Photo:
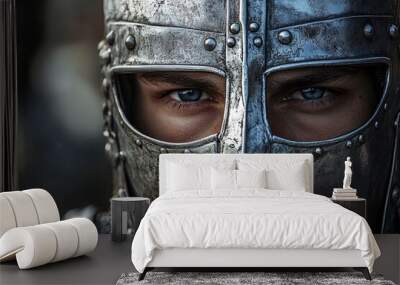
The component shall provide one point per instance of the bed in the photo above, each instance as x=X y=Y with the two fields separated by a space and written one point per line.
x=246 y=211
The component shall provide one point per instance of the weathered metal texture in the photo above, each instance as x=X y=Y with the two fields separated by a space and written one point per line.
x=157 y=42
x=232 y=133
x=201 y=15
x=344 y=41
x=246 y=41
x=165 y=46
x=331 y=39
x=285 y=13
x=256 y=122
x=391 y=217
x=320 y=37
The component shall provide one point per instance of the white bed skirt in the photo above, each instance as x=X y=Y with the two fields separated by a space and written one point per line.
x=236 y=257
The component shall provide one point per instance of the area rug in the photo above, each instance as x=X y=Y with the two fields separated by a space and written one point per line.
x=243 y=278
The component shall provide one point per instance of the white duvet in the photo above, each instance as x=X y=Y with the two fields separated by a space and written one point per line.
x=253 y=218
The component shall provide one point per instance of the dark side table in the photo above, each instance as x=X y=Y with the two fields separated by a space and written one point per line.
x=357 y=205
x=126 y=214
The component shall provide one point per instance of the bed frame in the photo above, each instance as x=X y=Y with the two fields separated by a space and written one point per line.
x=242 y=259
x=248 y=259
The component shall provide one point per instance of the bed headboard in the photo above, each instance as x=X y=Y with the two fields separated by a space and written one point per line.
x=212 y=158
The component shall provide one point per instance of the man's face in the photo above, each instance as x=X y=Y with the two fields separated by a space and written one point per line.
x=307 y=104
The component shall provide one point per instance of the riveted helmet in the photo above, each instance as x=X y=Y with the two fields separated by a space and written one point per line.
x=258 y=47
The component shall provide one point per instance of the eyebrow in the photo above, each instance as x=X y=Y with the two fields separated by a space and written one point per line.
x=309 y=77
x=179 y=79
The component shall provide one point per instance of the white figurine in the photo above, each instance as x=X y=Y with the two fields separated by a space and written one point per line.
x=347 y=174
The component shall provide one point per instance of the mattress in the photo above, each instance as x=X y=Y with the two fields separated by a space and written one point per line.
x=250 y=218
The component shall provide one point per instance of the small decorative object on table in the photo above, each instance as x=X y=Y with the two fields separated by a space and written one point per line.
x=347 y=196
x=126 y=214
x=345 y=193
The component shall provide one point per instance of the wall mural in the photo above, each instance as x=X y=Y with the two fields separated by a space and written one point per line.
x=293 y=77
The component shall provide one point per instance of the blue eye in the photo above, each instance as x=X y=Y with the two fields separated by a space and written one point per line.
x=307 y=94
x=312 y=93
x=188 y=95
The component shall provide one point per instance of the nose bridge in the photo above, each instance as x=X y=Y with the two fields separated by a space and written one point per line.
x=257 y=138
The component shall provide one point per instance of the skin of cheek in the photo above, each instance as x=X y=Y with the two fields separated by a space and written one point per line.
x=340 y=119
x=175 y=128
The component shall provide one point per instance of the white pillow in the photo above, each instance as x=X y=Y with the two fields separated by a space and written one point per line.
x=223 y=179
x=192 y=175
x=281 y=174
x=181 y=177
x=293 y=179
x=251 y=178
x=226 y=179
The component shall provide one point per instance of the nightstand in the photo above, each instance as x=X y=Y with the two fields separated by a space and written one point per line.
x=357 y=205
x=126 y=214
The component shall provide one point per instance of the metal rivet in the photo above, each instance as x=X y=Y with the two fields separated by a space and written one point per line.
x=385 y=106
x=210 y=44
x=138 y=142
x=130 y=42
x=100 y=45
x=163 y=150
x=230 y=42
x=121 y=155
x=349 y=144
x=360 y=138
x=318 y=150
x=393 y=31
x=107 y=147
x=186 y=151
x=258 y=41
x=285 y=37
x=110 y=38
x=254 y=27
x=121 y=122
x=376 y=125
x=368 y=31
x=105 y=56
x=235 y=28
x=106 y=133
x=105 y=85
x=118 y=158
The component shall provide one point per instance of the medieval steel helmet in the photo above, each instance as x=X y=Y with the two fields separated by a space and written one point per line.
x=245 y=42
